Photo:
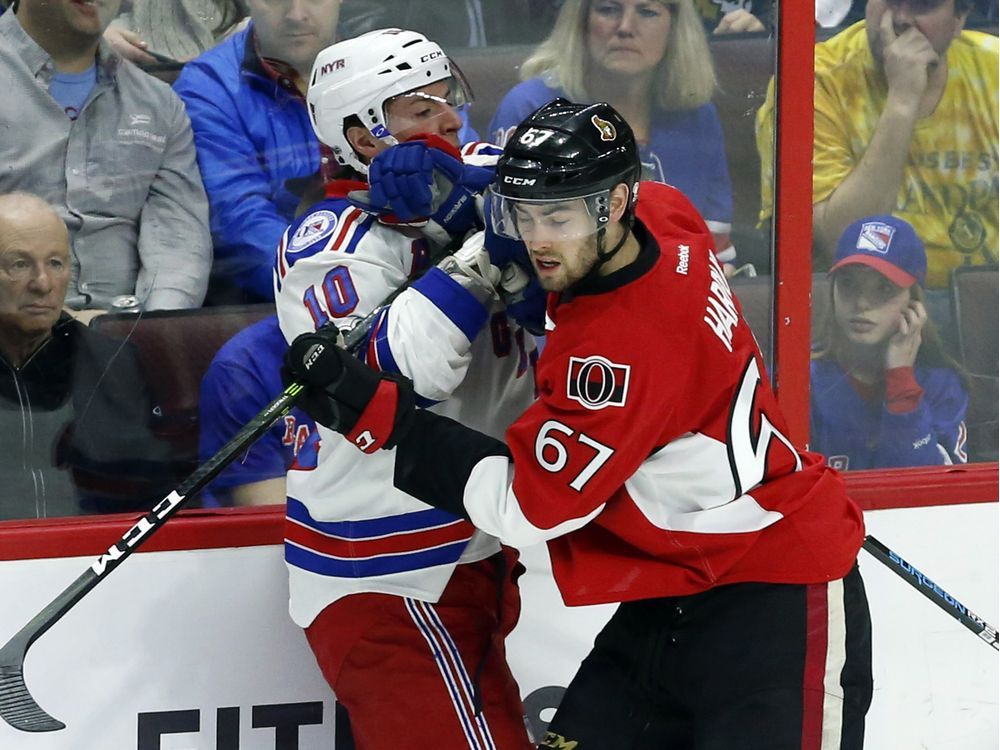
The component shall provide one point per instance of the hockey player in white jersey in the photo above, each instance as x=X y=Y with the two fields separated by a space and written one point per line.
x=405 y=607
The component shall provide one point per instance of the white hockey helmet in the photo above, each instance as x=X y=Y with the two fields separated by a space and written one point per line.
x=358 y=76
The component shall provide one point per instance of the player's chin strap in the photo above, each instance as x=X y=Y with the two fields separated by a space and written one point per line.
x=602 y=210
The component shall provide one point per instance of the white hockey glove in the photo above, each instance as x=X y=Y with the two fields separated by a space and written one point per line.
x=470 y=266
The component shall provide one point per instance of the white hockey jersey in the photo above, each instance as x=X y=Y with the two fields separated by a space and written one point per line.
x=348 y=530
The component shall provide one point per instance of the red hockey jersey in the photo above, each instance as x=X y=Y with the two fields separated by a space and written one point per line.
x=655 y=460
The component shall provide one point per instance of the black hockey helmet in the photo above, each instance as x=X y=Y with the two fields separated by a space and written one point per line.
x=565 y=151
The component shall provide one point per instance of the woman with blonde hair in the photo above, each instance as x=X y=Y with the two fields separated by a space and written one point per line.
x=884 y=391
x=650 y=60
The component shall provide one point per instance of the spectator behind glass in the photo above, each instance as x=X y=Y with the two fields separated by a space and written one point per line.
x=244 y=377
x=650 y=60
x=458 y=23
x=884 y=393
x=175 y=29
x=74 y=413
x=905 y=124
x=110 y=148
x=840 y=13
x=735 y=16
x=256 y=148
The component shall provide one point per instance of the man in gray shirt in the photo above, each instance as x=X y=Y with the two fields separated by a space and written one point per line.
x=110 y=148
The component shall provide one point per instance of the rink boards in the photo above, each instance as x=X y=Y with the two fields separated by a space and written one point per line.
x=192 y=649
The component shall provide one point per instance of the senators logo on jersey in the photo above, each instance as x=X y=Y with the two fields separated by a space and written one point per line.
x=597 y=382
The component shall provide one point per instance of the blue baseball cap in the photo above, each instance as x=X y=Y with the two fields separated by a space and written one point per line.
x=887 y=244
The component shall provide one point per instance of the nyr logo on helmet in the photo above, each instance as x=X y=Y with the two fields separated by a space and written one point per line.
x=332 y=66
x=315 y=227
x=605 y=128
x=875 y=237
x=596 y=382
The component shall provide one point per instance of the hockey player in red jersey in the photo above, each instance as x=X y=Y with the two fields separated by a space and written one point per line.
x=654 y=464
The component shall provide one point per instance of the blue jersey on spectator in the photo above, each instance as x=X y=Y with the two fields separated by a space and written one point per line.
x=685 y=149
x=244 y=377
x=257 y=153
x=858 y=433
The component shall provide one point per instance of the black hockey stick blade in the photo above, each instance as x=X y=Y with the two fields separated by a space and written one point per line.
x=17 y=706
x=932 y=591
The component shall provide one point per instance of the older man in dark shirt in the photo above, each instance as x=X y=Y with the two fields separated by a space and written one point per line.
x=74 y=415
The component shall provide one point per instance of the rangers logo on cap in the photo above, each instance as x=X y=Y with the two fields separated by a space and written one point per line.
x=875 y=236
x=315 y=227
x=605 y=128
x=596 y=382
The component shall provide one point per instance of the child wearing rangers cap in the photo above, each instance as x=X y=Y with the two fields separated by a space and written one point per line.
x=884 y=392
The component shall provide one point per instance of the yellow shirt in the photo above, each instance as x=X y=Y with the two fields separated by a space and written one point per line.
x=949 y=190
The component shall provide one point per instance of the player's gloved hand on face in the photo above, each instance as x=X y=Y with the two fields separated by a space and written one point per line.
x=524 y=297
x=425 y=178
x=371 y=409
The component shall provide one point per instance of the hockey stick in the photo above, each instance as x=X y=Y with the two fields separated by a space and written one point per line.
x=932 y=591
x=17 y=707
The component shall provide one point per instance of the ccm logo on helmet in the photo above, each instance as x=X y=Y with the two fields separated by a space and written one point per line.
x=519 y=180
x=431 y=56
x=596 y=382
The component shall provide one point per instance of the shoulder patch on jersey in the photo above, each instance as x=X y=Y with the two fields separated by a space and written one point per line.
x=316 y=226
x=596 y=382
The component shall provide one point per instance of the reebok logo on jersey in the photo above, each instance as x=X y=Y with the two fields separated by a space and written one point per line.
x=596 y=382
x=683 y=254
x=315 y=227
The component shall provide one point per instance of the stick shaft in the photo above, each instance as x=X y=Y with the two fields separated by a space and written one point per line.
x=932 y=591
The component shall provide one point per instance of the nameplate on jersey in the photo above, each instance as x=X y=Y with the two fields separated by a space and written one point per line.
x=595 y=382
x=315 y=227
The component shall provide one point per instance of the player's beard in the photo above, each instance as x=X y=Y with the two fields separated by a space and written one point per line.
x=575 y=264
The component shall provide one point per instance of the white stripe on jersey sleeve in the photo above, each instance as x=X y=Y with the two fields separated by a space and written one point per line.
x=493 y=507
x=688 y=486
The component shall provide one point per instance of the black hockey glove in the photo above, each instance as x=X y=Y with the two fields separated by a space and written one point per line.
x=371 y=409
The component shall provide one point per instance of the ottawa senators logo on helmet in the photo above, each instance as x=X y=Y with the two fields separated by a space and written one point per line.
x=605 y=128
x=597 y=382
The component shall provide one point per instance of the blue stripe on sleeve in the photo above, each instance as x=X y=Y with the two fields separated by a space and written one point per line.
x=364 y=224
x=386 y=362
x=462 y=309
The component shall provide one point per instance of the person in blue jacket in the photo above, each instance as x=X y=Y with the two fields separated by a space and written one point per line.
x=259 y=157
x=884 y=392
x=649 y=60
x=243 y=378
x=256 y=148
